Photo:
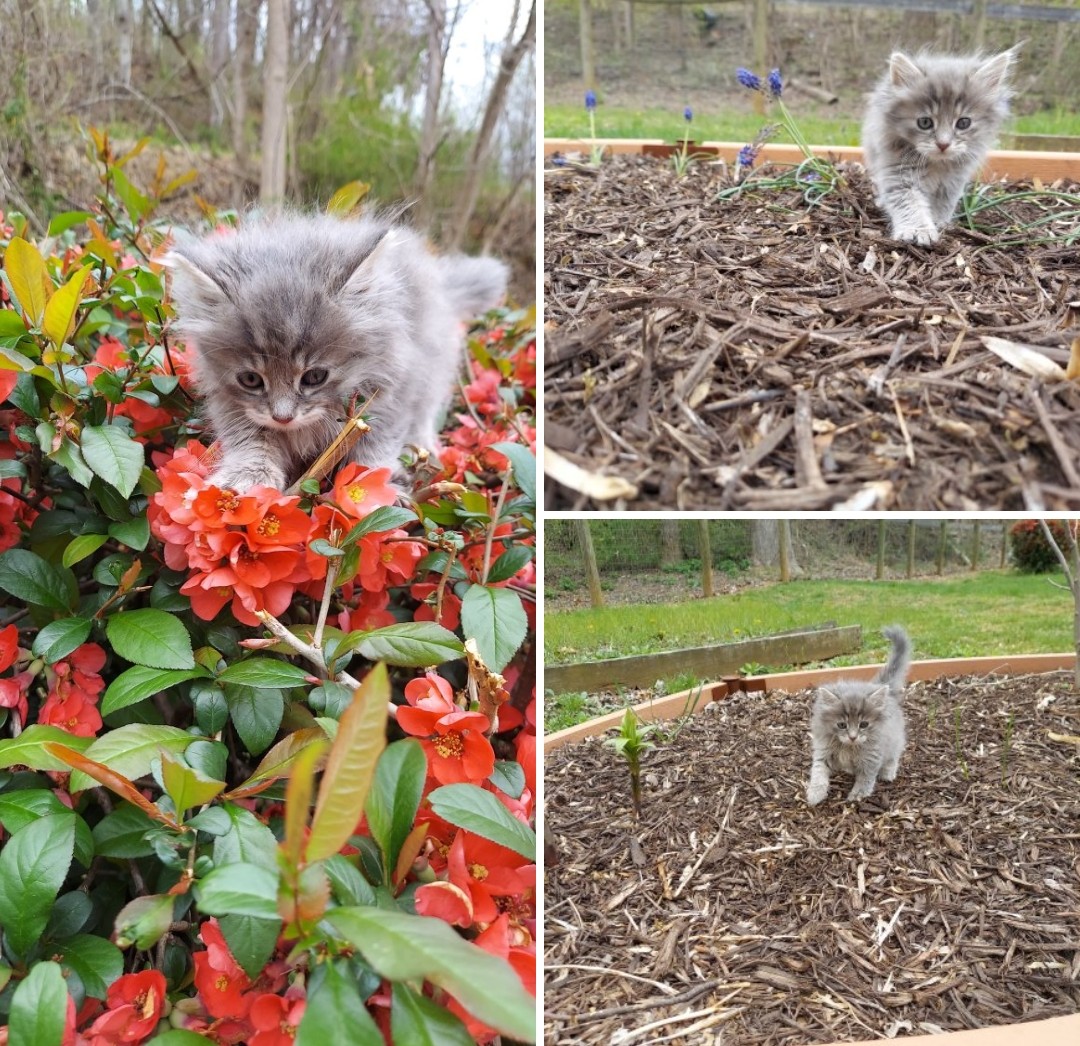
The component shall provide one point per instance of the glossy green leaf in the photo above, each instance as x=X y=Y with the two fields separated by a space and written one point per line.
x=336 y=1013
x=524 y=465
x=96 y=961
x=60 y=223
x=135 y=533
x=82 y=546
x=143 y=921
x=252 y=941
x=417 y=1020
x=348 y=885
x=413 y=948
x=29 y=277
x=379 y=521
x=123 y=833
x=515 y=558
x=26 y=576
x=129 y=750
x=177 y=1037
x=59 y=318
x=395 y=797
x=71 y=458
x=411 y=644
x=211 y=708
x=350 y=766
x=185 y=786
x=113 y=455
x=33 y=865
x=39 y=1008
x=240 y=889
x=59 y=638
x=28 y=749
x=151 y=638
x=481 y=813
x=264 y=673
x=278 y=762
x=256 y=714
x=249 y=841
x=495 y=618
x=139 y=682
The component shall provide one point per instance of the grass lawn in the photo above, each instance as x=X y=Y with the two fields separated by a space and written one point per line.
x=991 y=612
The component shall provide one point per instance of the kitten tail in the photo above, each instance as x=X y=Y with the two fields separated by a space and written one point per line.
x=894 y=674
x=473 y=284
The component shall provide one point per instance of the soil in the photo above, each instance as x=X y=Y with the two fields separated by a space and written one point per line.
x=732 y=911
x=762 y=352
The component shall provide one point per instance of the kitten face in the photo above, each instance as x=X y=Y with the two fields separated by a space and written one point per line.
x=852 y=718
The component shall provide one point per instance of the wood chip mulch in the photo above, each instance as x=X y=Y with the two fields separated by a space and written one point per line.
x=734 y=912
x=758 y=354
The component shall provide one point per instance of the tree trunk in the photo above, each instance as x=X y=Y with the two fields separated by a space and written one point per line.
x=219 y=61
x=785 y=548
x=588 y=54
x=879 y=570
x=275 y=76
x=943 y=538
x=976 y=545
x=911 y=548
x=434 y=66
x=670 y=545
x=705 y=549
x=588 y=559
x=512 y=55
x=125 y=33
x=765 y=537
x=247 y=22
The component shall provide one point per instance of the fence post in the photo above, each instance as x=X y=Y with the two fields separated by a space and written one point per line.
x=705 y=549
x=911 y=548
x=785 y=544
x=976 y=544
x=943 y=540
x=588 y=557
x=879 y=571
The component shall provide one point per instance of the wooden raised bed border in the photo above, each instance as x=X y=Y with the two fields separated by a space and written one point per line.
x=1055 y=1031
x=1015 y=164
x=706 y=662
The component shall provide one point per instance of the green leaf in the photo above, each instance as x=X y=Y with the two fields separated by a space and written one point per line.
x=264 y=672
x=350 y=766
x=135 y=203
x=336 y=1013
x=252 y=941
x=123 y=833
x=495 y=618
x=380 y=520
x=144 y=921
x=59 y=638
x=411 y=644
x=60 y=223
x=509 y=777
x=96 y=961
x=150 y=637
x=524 y=464
x=240 y=889
x=136 y=533
x=256 y=714
x=39 y=1008
x=33 y=865
x=395 y=797
x=177 y=1037
x=345 y=199
x=349 y=886
x=113 y=455
x=70 y=457
x=477 y=811
x=59 y=318
x=211 y=708
x=417 y=1020
x=185 y=786
x=413 y=948
x=29 y=276
x=129 y=750
x=510 y=562
x=322 y=547
x=139 y=682
x=82 y=546
x=28 y=749
x=26 y=576
x=249 y=840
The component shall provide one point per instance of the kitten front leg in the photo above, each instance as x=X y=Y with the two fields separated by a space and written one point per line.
x=863 y=786
x=251 y=464
x=819 y=782
x=910 y=214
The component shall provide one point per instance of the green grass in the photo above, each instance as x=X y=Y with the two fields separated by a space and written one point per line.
x=566 y=121
x=971 y=616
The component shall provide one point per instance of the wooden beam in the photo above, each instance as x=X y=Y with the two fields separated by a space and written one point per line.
x=1002 y=163
x=707 y=662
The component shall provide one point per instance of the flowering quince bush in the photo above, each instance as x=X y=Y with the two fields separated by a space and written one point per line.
x=267 y=760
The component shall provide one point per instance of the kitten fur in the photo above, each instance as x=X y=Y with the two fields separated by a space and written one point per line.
x=293 y=318
x=857 y=727
x=919 y=173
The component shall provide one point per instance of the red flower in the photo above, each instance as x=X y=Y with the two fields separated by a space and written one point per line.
x=451 y=604
x=280 y=522
x=76 y=686
x=136 y=1002
x=9 y=646
x=275 y=1020
x=386 y=559
x=219 y=979
x=457 y=750
x=370 y=612
x=487 y=871
x=359 y=491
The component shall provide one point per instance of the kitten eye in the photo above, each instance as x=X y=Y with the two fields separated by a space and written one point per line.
x=924 y=123
x=841 y=725
x=963 y=123
x=863 y=723
x=248 y=379
x=312 y=379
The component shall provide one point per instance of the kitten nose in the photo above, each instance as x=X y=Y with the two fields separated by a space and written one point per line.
x=943 y=145
x=281 y=417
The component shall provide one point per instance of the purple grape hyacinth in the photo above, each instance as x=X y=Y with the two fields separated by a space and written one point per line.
x=748 y=79
x=590 y=101
x=776 y=83
x=688 y=114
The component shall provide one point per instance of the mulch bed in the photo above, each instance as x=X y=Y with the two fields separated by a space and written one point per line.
x=758 y=354
x=947 y=900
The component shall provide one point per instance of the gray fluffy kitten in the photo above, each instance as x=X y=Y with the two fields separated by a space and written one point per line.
x=929 y=126
x=293 y=318
x=857 y=728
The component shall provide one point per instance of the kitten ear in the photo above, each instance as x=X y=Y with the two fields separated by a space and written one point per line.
x=364 y=276
x=827 y=695
x=903 y=71
x=196 y=281
x=878 y=694
x=993 y=74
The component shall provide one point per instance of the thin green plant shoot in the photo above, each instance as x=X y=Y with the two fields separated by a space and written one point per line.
x=1006 y=745
x=632 y=742
x=960 y=760
x=596 y=152
x=682 y=159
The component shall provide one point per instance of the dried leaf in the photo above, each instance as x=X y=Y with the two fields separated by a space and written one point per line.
x=1072 y=372
x=485 y=687
x=602 y=488
x=1028 y=358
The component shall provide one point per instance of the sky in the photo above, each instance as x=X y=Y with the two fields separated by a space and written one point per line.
x=483 y=23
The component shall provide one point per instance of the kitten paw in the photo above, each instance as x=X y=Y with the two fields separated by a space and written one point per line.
x=858 y=793
x=923 y=235
x=816 y=793
x=242 y=479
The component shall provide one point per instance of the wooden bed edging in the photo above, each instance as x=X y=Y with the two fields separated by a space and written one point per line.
x=695 y=700
x=1002 y=163
x=1054 y=1031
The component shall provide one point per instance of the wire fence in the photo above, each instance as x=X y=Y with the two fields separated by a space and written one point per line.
x=823 y=549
